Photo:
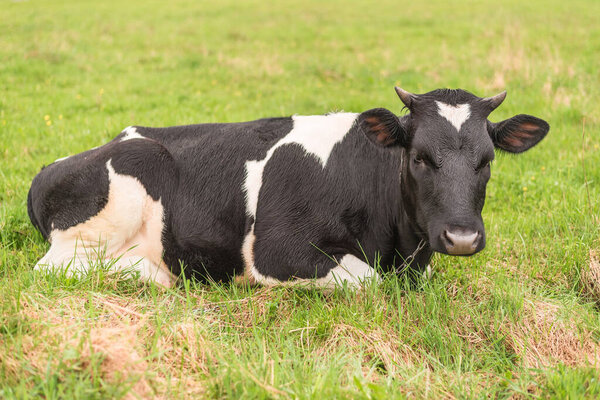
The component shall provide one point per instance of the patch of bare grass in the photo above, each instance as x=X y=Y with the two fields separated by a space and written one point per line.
x=590 y=277
x=544 y=338
x=376 y=344
x=121 y=355
x=114 y=344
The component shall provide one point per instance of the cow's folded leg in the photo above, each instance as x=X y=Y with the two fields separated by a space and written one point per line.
x=71 y=256
x=428 y=272
x=349 y=272
x=80 y=265
x=69 y=267
x=148 y=271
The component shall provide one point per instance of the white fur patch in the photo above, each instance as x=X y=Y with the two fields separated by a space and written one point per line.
x=351 y=270
x=253 y=183
x=131 y=133
x=263 y=279
x=456 y=115
x=125 y=234
x=317 y=134
x=428 y=273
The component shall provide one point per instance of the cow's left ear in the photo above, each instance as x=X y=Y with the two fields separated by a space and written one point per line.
x=383 y=127
x=518 y=133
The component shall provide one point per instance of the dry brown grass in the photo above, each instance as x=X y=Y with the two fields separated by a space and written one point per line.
x=116 y=344
x=375 y=344
x=590 y=277
x=544 y=338
x=122 y=356
x=545 y=335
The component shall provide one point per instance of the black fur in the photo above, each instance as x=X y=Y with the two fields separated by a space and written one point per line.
x=70 y=192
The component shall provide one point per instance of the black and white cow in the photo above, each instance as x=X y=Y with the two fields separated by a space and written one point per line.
x=281 y=199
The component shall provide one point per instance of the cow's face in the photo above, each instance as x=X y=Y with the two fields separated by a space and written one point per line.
x=448 y=147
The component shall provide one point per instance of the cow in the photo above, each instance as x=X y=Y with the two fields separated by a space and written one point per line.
x=317 y=199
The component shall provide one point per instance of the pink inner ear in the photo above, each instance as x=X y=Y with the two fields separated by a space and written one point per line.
x=384 y=138
x=524 y=134
x=379 y=131
x=529 y=127
x=514 y=140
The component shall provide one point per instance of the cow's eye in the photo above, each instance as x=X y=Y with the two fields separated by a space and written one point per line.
x=484 y=164
x=423 y=159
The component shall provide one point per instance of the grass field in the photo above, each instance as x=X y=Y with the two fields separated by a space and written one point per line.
x=520 y=319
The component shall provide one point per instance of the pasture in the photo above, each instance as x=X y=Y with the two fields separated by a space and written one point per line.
x=520 y=319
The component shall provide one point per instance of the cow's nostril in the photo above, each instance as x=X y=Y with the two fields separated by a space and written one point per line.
x=461 y=242
x=447 y=239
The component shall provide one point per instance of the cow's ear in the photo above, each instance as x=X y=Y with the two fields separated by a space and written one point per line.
x=383 y=127
x=518 y=133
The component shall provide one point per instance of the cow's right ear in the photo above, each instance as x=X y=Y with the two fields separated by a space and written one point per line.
x=384 y=128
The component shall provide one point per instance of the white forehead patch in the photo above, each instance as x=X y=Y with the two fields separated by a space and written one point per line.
x=456 y=115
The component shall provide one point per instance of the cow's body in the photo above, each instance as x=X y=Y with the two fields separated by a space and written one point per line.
x=300 y=189
x=271 y=200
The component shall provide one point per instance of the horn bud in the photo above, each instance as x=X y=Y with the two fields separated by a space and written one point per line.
x=494 y=101
x=406 y=97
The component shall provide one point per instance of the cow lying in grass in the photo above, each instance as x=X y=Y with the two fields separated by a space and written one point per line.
x=281 y=199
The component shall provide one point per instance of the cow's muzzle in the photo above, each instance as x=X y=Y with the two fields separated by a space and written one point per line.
x=461 y=242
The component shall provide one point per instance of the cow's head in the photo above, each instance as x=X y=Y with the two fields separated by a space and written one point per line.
x=448 y=145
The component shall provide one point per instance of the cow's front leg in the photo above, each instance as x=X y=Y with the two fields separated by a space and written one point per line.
x=351 y=272
x=275 y=257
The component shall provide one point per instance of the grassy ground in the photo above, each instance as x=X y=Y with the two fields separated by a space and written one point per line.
x=521 y=319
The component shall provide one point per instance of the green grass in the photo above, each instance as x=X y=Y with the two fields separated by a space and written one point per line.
x=520 y=319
